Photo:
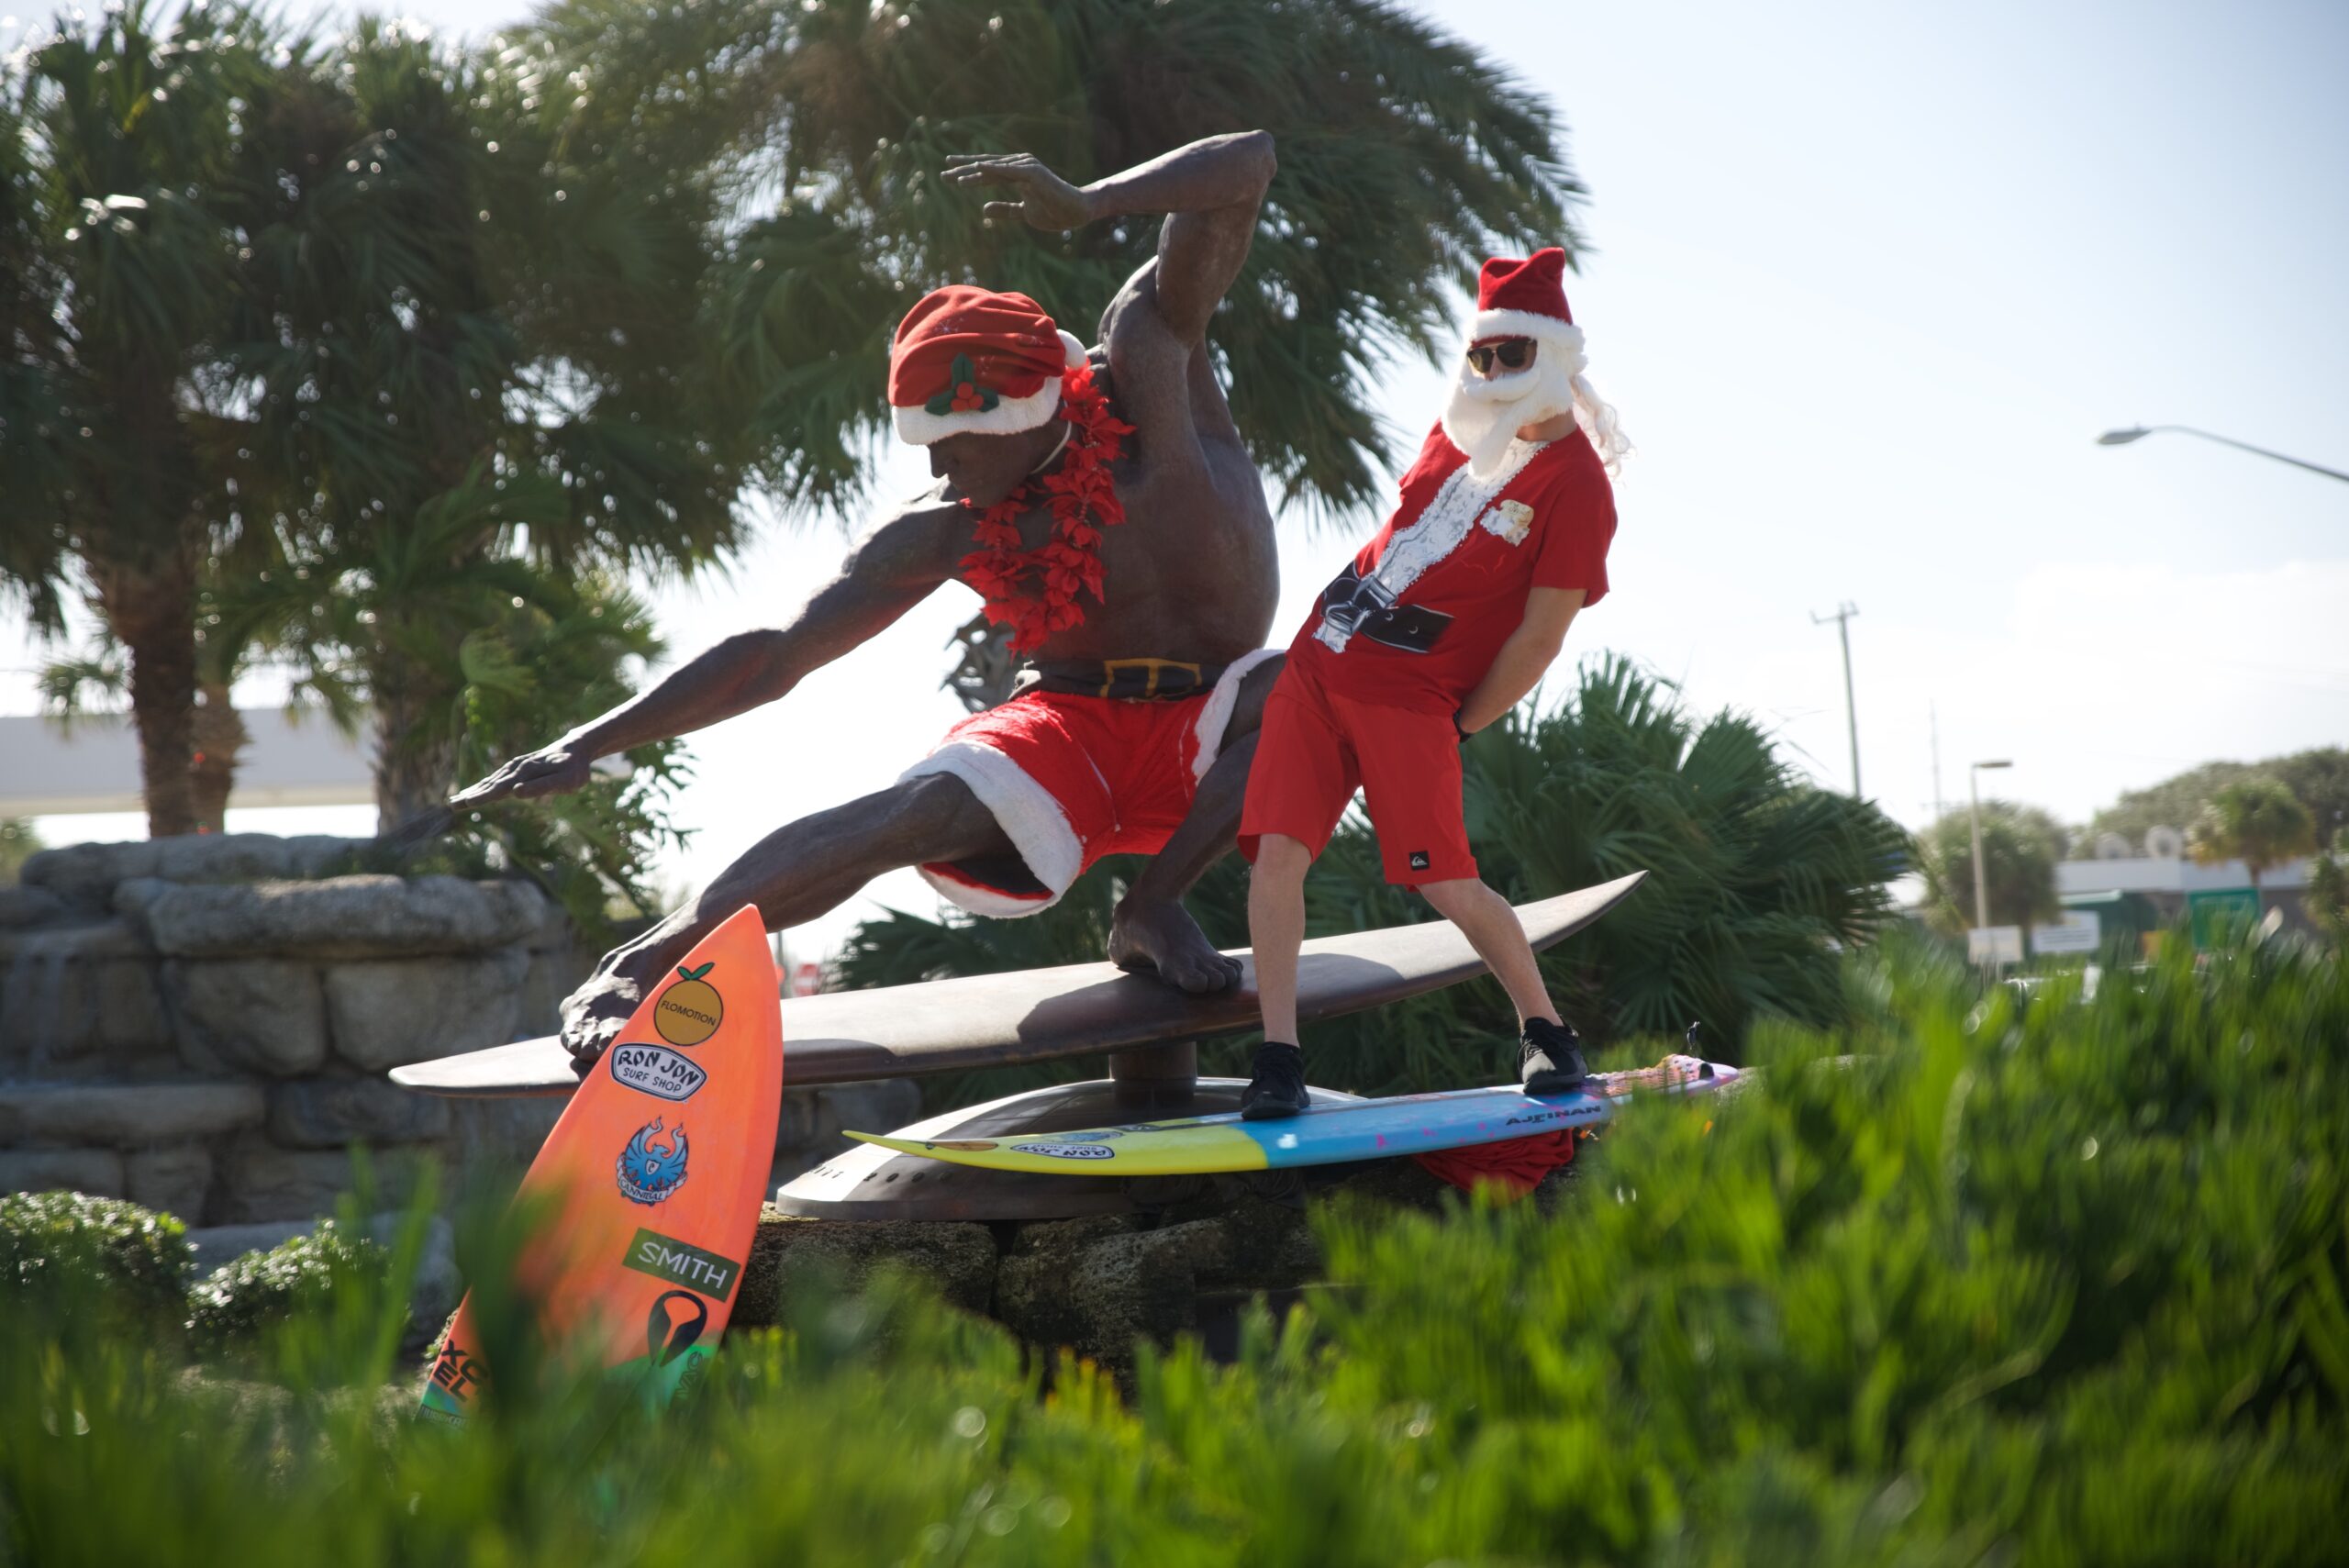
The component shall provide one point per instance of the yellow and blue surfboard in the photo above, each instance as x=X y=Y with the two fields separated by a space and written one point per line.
x=1328 y=1132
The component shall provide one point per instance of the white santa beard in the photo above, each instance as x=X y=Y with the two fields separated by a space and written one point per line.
x=1484 y=415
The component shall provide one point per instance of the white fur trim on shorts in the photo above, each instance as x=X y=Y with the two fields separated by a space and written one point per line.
x=1030 y=817
x=1216 y=716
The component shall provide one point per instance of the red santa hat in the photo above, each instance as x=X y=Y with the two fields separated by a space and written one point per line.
x=1526 y=299
x=971 y=360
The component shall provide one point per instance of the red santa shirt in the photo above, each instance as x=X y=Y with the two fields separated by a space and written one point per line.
x=1419 y=617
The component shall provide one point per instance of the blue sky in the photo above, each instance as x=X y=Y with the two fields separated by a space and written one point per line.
x=1866 y=282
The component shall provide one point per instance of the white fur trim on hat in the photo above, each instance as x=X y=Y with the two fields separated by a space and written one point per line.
x=919 y=427
x=1216 y=716
x=1486 y=325
x=1009 y=415
x=1028 y=817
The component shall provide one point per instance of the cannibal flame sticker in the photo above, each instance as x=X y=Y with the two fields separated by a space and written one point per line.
x=649 y=1172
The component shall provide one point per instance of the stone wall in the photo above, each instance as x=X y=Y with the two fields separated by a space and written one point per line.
x=1107 y=1285
x=203 y=1025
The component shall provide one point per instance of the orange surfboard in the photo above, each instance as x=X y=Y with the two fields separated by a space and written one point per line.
x=650 y=1182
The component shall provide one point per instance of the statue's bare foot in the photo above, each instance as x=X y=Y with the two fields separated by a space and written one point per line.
x=1160 y=935
x=595 y=1013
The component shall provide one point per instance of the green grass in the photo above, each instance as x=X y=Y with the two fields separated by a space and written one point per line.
x=1971 y=1281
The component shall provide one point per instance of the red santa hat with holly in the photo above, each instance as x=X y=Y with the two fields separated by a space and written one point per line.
x=972 y=359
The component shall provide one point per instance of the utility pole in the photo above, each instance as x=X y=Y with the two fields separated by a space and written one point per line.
x=1933 y=718
x=1981 y=881
x=1843 y=620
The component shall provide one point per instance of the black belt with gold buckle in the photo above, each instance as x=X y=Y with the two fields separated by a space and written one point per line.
x=1127 y=680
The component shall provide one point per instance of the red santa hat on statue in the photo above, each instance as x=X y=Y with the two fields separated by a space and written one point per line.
x=971 y=360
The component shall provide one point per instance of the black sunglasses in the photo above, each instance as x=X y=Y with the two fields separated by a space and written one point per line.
x=1514 y=354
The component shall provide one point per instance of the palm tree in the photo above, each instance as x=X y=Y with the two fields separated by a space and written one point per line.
x=123 y=218
x=34 y=560
x=2328 y=894
x=470 y=348
x=1756 y=879
x=2258 y=821
x=1404 y=156
x=2020 y=846
x=241 y=624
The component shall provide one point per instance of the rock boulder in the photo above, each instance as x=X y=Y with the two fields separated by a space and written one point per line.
x=257 y=1015
x=957 y=1260
x=133 y=1116
x=344 y=918
x=385 y=1012
x=326 y=1113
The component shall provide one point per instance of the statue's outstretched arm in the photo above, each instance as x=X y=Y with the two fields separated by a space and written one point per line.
x=888 y=572
x=1210 y=191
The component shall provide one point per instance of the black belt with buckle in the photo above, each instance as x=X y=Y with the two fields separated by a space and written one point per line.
x=1127 y=680
x=1364 y=607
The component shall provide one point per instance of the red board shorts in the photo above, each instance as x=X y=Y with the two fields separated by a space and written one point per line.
x=1317 y=746
x=1073 y=778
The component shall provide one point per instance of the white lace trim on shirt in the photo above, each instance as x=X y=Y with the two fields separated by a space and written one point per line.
x=1436 y=532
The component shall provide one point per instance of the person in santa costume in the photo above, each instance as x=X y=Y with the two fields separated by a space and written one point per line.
x=1441 y=625
x=1101 y=505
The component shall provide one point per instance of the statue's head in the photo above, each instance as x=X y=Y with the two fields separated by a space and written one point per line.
x=975 y=376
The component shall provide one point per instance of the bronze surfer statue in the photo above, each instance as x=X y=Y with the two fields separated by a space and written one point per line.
x=1100 y=501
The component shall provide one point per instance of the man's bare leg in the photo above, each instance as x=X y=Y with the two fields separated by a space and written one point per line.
x=1277 y=927
x=1151 y=929
x=792 y=875
x=1491 y=927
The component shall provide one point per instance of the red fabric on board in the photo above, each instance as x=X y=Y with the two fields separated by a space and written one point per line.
x=1516 y=1166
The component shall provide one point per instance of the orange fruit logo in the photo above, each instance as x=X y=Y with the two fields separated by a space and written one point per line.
x=689 y=1009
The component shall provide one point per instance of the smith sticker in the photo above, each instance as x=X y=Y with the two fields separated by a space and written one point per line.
x=656 y=1070
x=682 y=1263
x=1066 y=1150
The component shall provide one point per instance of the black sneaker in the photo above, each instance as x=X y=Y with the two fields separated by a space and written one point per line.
x=1278 y=1088
x=1549 y=1059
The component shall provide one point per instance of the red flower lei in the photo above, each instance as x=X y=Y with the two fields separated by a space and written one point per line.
x=1084 y=502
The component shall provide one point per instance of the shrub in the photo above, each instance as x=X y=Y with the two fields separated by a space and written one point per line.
x=131 y=1263
x=1971 y=1279
x=228 y=1311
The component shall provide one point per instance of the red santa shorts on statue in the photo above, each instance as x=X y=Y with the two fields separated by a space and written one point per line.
x=1073 y=778
x=1317 y=746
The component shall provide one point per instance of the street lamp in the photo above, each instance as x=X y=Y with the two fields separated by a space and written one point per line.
x=2122 y=437
x=1981 y=887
